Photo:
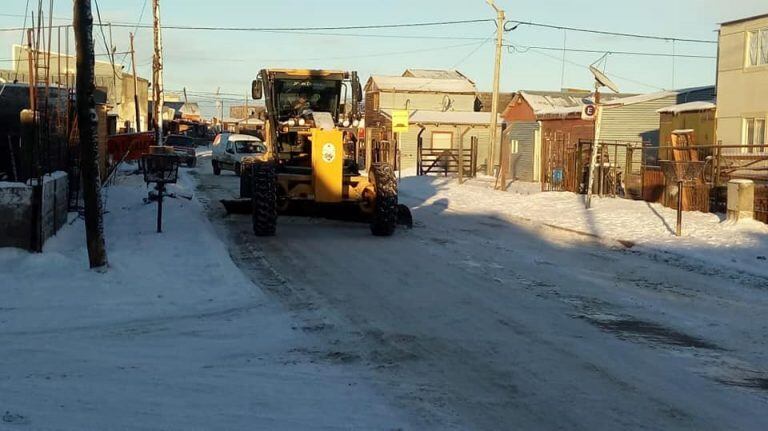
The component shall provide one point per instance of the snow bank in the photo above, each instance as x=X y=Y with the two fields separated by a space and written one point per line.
x=172 y=336
x=706 y=237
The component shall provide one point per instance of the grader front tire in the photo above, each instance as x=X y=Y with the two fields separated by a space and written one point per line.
x=264 y=199
x=385 y=206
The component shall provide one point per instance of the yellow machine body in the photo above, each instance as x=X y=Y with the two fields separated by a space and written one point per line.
x=327 y=165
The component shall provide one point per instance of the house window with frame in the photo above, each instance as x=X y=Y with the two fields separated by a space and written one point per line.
x=757 y=48
x=754 y=134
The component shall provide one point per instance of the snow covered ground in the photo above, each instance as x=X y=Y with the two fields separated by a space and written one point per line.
x=173 y=336
x=706 y=237
x=477 y=319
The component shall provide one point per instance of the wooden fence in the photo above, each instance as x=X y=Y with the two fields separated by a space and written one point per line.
x=461 y=161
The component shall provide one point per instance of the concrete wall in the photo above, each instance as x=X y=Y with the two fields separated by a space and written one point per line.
x=26 y=225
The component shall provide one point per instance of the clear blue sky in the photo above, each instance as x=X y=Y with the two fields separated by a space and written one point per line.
x=203 y=61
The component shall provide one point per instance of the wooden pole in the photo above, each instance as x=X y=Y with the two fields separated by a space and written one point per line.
x=135 y=87
x=157 y=74
x=88 y=124
x=496 y=76
x=595 y=145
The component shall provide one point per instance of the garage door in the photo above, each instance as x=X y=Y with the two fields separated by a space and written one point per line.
x=442 y=140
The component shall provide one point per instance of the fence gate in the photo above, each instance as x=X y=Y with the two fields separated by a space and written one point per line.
x=447 y=160
x=559 y=164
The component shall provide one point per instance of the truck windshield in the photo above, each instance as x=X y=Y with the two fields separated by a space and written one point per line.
x=249 y=147
x=301 y=96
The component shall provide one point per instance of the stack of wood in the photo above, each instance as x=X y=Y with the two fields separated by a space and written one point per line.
x=696 y=192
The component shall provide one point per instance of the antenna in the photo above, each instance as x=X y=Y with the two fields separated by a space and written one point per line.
x=603 y=80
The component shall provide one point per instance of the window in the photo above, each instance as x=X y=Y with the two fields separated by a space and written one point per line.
x=754 y=134
x=375 y=101
x=757 y=48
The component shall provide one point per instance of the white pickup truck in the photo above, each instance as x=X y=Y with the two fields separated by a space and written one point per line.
x=229 y=149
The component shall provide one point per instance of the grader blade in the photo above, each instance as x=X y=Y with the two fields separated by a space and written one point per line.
x=237 y=206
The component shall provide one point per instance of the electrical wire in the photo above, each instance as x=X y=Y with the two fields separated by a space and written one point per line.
x=604 y=32
x=351 y=27
x=573 y=63
x=524 y=48
x=136 y=27
x=280 y=60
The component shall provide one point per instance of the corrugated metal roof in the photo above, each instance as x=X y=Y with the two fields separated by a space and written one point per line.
x=562 y=102
x=658 y=95
x=688 y=107
x=435 y=74
x=423 y=85
x=449 y=117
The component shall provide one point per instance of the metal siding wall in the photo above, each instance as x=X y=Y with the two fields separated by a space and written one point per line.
x=633 y=123
x=525 y=134
x=426 y=101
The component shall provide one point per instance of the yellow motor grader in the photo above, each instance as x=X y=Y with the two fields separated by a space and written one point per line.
x=310 y=136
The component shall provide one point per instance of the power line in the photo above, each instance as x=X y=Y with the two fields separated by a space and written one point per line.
x=604 y=32
x=351 y=27
x=523 y=49
x=136 y=27
x=560 y=59
x=382 y=54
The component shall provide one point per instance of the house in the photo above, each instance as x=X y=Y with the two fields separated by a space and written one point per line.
x=526 y=115
x=742 y=82
x=484 y=102
x=442 y=113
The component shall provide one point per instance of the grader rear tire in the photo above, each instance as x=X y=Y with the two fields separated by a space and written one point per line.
x=385 y=207
x=264 y=199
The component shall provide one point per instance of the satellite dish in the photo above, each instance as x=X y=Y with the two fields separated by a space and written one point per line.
x=603 y=80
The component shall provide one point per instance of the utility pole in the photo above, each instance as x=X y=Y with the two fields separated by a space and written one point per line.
x=157 y=74
x=496 y=75
x=219 y=105
x=87 y=122
x=135 y=87
x=596 y=148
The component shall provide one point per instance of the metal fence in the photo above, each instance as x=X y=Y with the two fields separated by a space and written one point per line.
x=631 y=170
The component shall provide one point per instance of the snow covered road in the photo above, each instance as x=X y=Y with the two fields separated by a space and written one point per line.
x=470 y=321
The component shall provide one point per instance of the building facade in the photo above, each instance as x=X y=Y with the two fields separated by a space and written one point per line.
x=442 y=112
x=742 y=83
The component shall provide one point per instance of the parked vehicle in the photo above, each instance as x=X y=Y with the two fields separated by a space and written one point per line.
x=229 y=150
x=184 y=147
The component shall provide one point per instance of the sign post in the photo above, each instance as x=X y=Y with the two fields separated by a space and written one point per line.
x=400 y=123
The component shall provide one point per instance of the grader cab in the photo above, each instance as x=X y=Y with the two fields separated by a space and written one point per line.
x=310 y=134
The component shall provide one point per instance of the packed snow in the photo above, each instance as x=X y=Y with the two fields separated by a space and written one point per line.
x=172 y=336
x=706 y=236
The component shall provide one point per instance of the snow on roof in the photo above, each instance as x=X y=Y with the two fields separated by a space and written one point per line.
x=543 y=100
x=449 y=117
x=688 y=107
x=435 y=74
x=655 y=96
x=424 y=85
x=560 y=111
